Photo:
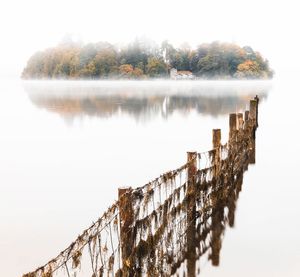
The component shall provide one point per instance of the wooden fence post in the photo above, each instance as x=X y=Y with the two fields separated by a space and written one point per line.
x=257 y=102
x=253 y=111
x=240 y=121
x=253 y=126
x=126 y=229
x=191 y=213
x=246 y=122
x=216 y=138
x=246 y=115
x=232 y=128
x=216 y=146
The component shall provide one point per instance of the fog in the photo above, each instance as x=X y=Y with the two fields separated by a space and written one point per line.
x=66 y=147
x=269 y=27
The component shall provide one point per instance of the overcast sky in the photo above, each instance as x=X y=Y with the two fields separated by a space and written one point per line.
x=270 y=27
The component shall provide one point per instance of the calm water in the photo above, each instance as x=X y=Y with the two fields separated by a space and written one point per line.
x=65 y=148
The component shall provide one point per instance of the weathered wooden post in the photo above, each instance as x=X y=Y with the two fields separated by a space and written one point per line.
x=126 y=229
x=240 y=121
x=253 y=111
x=216 y=138
x=240 y=126
x=253 y=126
x=246 y=115
x=257 y=102
x=216 y=146
x=216 y=211
x=232 y=128
x=191 y=213
x=246 y=122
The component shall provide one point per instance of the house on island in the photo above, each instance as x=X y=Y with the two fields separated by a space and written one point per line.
x=181 y=75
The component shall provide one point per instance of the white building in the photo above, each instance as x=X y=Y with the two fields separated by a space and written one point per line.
x=181 y=75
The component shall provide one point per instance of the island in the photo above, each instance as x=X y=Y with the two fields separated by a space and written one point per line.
x=147 y=60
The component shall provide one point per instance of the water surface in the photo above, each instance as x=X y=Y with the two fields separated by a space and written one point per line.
x=65 y=148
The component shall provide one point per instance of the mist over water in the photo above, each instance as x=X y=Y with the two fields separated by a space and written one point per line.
x=143 y=100
x=67 y=146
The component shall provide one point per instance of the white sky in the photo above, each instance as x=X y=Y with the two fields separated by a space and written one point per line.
x=268 y=26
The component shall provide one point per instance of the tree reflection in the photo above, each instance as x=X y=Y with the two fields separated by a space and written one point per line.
x=141 y=100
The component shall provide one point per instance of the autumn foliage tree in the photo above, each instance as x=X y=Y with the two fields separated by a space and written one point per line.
x=248 y=69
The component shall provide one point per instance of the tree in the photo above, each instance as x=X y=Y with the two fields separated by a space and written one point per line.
x=180 y=60
x=167 y=52
x=66 y=63
x=87 y=53
x=208 y=66
x=126 y=70
x=248 y=69
x=156 y=67
x=105 y=61
x=89 y=71
x=137 y=73
x=135 y=54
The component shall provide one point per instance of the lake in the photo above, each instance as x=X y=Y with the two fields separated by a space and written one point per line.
x=66 y=148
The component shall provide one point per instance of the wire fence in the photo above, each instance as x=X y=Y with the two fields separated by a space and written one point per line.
x=165 y=226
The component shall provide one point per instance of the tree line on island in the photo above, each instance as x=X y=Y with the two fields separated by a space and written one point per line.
x=143 y=60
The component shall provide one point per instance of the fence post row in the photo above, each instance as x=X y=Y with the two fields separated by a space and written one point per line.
x=217 y=193
x=236 y=122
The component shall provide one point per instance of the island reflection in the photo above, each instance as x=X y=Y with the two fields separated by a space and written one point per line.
x=143 y=99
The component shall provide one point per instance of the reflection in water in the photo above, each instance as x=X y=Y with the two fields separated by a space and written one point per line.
x=143 y=99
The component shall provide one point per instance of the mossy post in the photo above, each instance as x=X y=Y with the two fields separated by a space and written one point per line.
x=191 y=213
x=126 y=229
x=216 y=146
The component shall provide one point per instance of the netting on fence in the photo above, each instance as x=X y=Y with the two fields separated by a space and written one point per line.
x=165 y=226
